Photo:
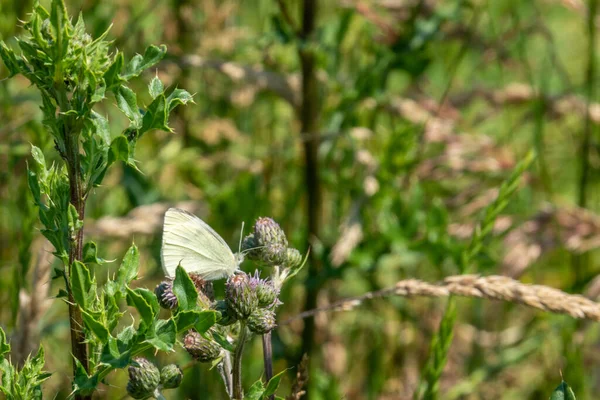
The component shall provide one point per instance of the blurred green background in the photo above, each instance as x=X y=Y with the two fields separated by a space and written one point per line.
x=419 y=110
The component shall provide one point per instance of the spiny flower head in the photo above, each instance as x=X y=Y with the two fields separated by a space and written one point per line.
x=171 y=376
x=164 y=294
x=262 y=321
x=144 y=378
x=240 y=295
x=202 y=349
x=267 y=232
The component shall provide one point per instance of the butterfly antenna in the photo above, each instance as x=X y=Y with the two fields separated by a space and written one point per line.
x=241 y=237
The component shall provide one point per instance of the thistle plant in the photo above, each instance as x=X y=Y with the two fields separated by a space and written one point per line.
x=248 y=308
x=74 y=73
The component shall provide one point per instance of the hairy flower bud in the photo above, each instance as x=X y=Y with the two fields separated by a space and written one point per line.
x=171 y=376
x=267 y=232
x=293 y=258
x=274 y=255
x=144 y=378
x=261 y=321
x=267 y=293
x=251 y=248
x=225 y=315
x=165 y=295
x=240 y=294
x=202 y=349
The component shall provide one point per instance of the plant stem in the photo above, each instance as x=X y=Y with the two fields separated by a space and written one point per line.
x=238 y=389
x=77 y=199
x=309 y=116
x=224 y=368
x=268 y=359
x=580 y=261
x=158 y=395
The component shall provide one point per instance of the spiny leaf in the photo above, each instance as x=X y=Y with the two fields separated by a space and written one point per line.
x=563 y=392
x=156 y=116
x=129 y=267
x=81 y=284
x=95 y=326
x=152 y=55
x=4 y=346
x=127 y=102
x=164 y=336
x=273 y=384
x=136 y=299
x=156 y=87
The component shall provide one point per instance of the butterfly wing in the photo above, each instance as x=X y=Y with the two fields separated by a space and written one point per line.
x=189 y=241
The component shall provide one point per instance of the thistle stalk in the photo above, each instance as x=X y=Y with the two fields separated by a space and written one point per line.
x=238 y=389
x=268 y=358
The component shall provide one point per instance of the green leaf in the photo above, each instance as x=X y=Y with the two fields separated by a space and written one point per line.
x=10 y=60
x=222 y=340
x=156 y=116
x=156 y=87
x=255 y=392
x=186 y=320
x=177 y=97
x=102 y=129
x=4 y=346
x=184 y=290
x=59 y=19
x=205 y=321
x=83 y=383
x=95 y=326
x=273 y=384
x=38 y=156
x=197 y=319
x=90 y=254
x=127 y=102
x=129 y=267
x=136 y=299
x=119 y=150
x=165 y=335
x=81 y=284
x=112 y=75
x=563 y=392
x=139 y=63
x=73 y=219
x=34 y=186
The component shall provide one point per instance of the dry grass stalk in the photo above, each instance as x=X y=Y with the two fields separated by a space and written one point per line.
x=301 y=378
x=575 y=229
x=493 y=287
x=33 y=304
x=142 y=220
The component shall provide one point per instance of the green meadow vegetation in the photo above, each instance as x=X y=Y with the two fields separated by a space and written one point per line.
x=415 y=186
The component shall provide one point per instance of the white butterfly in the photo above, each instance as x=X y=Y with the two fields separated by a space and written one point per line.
x=189 y=241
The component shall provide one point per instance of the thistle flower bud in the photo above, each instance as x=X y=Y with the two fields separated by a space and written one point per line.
x=144 y=378
x=171 y=376
x=240 y=295
x=267 y=293
x=261 y=321
x=165 y=295
x=293 y=258
x=274 y=255
x=225 y=315
x=267 y=232
x=251 y=247
x=202 y=349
